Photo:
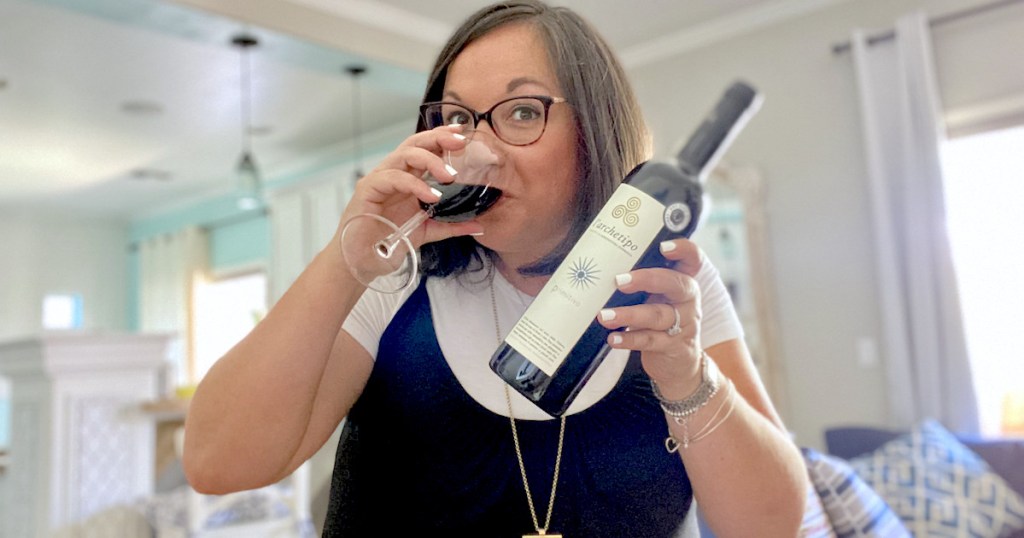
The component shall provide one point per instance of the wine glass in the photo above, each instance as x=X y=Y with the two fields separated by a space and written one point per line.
x=380 y=254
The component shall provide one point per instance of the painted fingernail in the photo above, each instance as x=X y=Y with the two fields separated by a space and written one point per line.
x=607 y=314
x=623 y=279
x=451 y=170
x=667 y=246
x=458 y=136
x=616 y=339
x=436 y=192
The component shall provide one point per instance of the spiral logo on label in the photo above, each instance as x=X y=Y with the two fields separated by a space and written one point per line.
x=628 y=212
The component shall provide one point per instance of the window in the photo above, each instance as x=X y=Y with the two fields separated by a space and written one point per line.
x=226 y=310
x=984 y=188
x=62 y=311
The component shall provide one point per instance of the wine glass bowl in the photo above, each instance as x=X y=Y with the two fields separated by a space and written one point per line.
x=381 y=255
x=475 y=187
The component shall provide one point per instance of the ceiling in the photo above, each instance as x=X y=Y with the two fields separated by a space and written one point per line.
x=125 y=108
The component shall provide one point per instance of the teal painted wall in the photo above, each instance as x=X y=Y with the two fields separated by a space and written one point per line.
x=240 y=244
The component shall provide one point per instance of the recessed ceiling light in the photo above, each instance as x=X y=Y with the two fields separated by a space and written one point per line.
x=151 y=174
x=260 y=130
x=142 y=108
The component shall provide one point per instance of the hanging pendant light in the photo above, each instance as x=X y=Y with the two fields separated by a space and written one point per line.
x=355 y=71
x=250 y=183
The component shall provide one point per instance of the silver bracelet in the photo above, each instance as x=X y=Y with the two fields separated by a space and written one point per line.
x=699 y=398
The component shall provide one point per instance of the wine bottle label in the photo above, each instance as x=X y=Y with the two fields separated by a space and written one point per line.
x=583 y=283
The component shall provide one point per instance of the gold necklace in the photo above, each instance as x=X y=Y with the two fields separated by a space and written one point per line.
x=541 y=531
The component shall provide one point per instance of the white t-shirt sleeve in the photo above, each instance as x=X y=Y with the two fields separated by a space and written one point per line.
x=719 y=321
x=372 y=314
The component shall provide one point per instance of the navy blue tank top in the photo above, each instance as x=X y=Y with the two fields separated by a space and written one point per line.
x=419 y=456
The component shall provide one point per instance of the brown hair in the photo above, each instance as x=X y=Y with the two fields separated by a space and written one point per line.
x=611 y=135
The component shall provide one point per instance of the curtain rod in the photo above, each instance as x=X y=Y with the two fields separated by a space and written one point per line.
x=841 y=48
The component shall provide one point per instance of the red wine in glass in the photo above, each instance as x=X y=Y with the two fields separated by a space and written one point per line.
x=460 y=202
x=380 y=254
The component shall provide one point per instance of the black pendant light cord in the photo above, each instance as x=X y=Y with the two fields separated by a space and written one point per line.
x=355 y=71
x=244 y=68
x=248 y=175
x=244 y=42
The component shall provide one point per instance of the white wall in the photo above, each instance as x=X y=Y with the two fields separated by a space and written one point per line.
x=51 y=253
x=807 y=143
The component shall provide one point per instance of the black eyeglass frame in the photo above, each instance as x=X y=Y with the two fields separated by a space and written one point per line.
x=546 y=100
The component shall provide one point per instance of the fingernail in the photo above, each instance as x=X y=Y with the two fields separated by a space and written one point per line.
x=616 y=339
x=623 y=279
x=436 y=192
x=667 y=246
x=607 y=314
x=458 y=136
x=451 y=170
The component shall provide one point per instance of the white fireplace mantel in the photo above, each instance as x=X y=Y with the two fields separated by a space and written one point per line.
x=75 y=445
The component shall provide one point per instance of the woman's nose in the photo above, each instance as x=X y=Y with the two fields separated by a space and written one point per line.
x=480 y=161
x=485 y=148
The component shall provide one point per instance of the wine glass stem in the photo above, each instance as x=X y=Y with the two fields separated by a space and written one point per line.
x=386 y=247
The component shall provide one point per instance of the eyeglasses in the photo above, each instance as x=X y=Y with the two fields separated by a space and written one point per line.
x=518 y=121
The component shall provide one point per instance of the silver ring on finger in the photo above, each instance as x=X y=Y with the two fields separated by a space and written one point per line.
x=675 y=328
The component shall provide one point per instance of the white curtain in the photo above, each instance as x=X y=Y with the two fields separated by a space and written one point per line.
x=171 y=265
x=303 y=220
x=924 y=346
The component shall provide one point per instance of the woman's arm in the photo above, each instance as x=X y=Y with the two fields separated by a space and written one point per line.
x=748 y=477
x=263 y=408
x=273 y=399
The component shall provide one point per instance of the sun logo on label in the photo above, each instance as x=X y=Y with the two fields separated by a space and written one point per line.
x=627 y=211
x=583 y=273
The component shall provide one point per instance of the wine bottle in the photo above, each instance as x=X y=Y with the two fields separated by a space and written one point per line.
x=557 y=344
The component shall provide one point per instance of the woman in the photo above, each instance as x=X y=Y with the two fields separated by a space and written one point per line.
x=429 y=447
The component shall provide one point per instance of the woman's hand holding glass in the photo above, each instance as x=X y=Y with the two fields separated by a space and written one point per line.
x=374 y=246
x=411 y=185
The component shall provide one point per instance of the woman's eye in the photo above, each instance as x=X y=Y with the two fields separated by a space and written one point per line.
x=525 y=113
x=457 y=118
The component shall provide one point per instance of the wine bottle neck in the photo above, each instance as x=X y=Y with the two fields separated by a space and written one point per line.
x=706 y=145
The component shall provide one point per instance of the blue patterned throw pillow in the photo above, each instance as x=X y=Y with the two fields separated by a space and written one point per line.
x=940 y=488
x=815 y=523
x=853 y=508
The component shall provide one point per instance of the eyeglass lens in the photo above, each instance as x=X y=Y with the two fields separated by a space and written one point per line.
x=517 y=121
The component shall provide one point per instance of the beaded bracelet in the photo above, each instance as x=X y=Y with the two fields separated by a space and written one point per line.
x=680 y=409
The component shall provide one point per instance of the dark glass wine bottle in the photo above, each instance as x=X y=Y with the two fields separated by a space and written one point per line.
x=557 y=345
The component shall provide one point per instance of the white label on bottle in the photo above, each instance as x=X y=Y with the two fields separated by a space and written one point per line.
x=585 y=281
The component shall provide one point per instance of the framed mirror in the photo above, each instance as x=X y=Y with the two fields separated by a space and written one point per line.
x=734 y=236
